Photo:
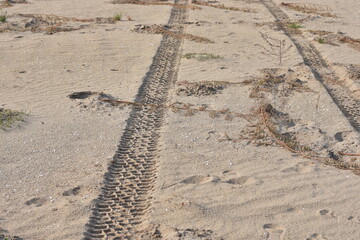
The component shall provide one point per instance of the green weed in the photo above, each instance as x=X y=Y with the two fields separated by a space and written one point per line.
x=201 y=56
x=321 y=40
x=9 y=117
x=118 y=16
x=295 y=26
x=3 y=17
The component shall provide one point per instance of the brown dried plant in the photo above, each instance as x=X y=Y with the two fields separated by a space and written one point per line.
x=158 y=29
x=352 y=42
x=335 y=38
x=203 y=87
x=266 y=113
x=263 y=124
x=136 y=2
x=310 y=8
x=50 y=23
x=249 y=1
x=276 y=48
x=221 y=6
x=10 y=3
x=56 y=19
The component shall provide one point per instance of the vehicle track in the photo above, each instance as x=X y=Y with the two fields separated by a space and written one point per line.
x=122 y=207
x=321 y=69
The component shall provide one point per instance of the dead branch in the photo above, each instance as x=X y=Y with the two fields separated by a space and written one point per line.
x=264 y=112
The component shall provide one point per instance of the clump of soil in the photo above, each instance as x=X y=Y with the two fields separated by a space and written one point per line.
x=279 y=82
x=47 y=23
x=93 y=100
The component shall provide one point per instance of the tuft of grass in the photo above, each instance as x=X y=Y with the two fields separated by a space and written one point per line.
x=201 y=56
x=295 y=26
x=3 y=17
x=118 y=16
x=321 y=40
x=8 y=117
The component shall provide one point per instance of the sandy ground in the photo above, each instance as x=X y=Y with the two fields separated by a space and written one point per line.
x=63 y=145
x=210 y=180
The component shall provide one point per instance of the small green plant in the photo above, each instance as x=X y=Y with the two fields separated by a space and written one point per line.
x=118 y=16
x=321 y=40
x=201 y=56
x=9 y=117
x=295 y=26
x=3 y=17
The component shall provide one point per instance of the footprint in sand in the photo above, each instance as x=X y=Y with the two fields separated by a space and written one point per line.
x=198 y=179
x=244 y=180
x=326 y=213
x=289 y=213
x=72 y=191
x=274 y=231
x=316 y=236
x=354 y=219
x=36 y=201
x=302 y=167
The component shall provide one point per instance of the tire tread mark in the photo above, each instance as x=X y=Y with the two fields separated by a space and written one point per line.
x=322 y=71
x=122 y=207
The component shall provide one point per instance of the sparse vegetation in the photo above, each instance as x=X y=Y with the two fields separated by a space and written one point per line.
x=201 y=56
x=275 y=81
x=203 y=88
x=295 y=26
x=352 y=42
x=137 y=2
x=50 y=24
x=3 y=17
x=310 y=8
x=276 y=48
x=265 y=121
x=321 y=40
x=221 y=6
x=118 y=16
x=9 y=117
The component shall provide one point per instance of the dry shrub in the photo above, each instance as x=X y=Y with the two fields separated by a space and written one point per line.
x=191 y=7
x=267 y=113
x=353 y=71
x=263 y=129
x=48 y=23
x=310 y=8
x=9 y=117
x=352 y=42
x=336 y=38
x=275 y=48
x=249 y=1
x=276 y=81
x=221 y=6
x=57 y=19
x=10 y=3
x=203 y=88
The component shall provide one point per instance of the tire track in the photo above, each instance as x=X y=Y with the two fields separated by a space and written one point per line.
x=322 y=70
x=122 y=207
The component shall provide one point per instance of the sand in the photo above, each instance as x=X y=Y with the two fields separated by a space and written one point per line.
x=212 y=180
